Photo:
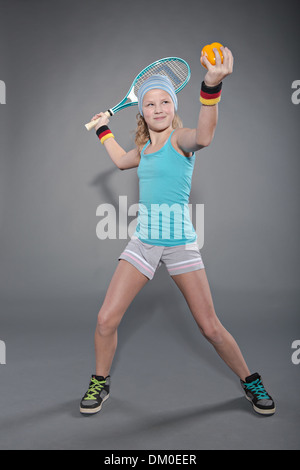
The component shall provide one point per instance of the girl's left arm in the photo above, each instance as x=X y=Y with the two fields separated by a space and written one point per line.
x=191 y=140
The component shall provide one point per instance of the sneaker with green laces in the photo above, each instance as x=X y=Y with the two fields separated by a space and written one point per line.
x=256 y=393
x=96 y=395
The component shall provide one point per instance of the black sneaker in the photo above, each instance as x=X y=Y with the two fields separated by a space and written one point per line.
x=97 y=393
x=255 y=392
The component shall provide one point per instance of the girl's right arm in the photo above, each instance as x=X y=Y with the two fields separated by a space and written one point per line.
x=122 y=159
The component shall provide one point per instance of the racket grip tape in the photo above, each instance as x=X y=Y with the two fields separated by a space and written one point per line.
x=90 y=125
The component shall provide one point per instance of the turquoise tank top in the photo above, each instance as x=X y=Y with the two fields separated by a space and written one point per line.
x=165 y=179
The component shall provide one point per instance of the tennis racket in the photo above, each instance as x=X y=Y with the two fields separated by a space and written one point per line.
x=176 y=69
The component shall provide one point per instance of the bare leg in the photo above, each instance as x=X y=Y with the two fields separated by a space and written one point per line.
x=195 y=288
x=126 y=282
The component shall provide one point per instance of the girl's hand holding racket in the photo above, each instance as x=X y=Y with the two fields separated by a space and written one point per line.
x=216 y=73
x=102 y=119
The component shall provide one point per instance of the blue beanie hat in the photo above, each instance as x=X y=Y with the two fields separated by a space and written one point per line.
x=161 y=82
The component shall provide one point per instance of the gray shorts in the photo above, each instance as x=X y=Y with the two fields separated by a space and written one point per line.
x=177 y=259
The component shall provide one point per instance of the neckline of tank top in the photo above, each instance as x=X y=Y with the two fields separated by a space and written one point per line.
x=154 y=153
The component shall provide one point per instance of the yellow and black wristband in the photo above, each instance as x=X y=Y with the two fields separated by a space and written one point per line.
x=104 y=133
x=210 y=95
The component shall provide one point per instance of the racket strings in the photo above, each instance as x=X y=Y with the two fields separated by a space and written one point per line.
x=175 y=70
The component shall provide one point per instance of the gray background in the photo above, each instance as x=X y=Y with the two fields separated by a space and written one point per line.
x=63 y=61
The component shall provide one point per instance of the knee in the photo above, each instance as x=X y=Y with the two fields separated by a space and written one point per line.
x=213 y=331
x=106 y=324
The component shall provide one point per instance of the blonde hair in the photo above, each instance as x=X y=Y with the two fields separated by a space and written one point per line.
x=142 y=133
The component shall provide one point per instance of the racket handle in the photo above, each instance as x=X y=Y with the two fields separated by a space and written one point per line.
x=90 y=125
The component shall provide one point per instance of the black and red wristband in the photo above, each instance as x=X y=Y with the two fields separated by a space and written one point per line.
x=210 y=95
x=104 y=133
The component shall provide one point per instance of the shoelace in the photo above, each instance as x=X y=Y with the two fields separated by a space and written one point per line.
x=94 y=388
x=258 y=389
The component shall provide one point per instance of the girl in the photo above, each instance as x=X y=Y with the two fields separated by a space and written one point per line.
x=165 y=156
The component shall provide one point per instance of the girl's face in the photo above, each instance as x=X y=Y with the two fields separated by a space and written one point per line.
x=158 y=109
